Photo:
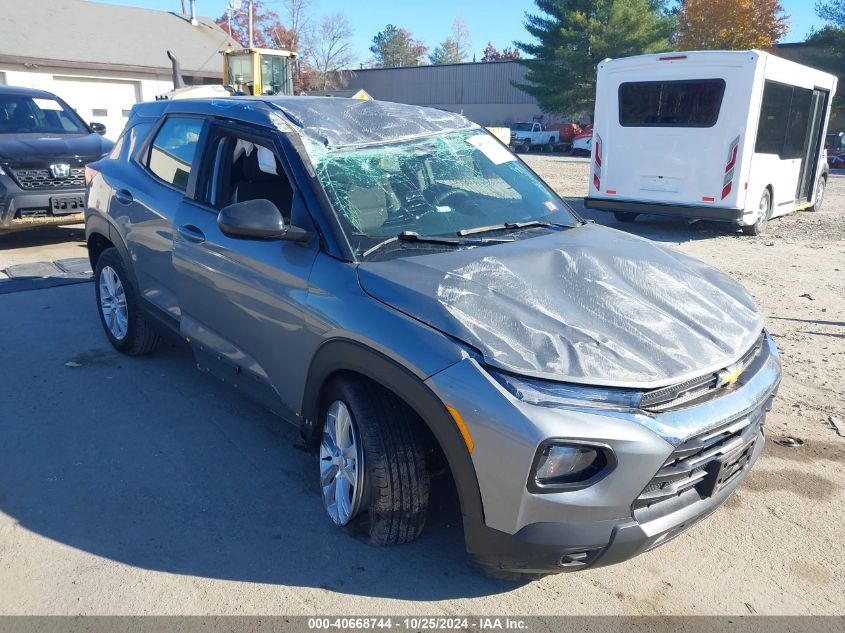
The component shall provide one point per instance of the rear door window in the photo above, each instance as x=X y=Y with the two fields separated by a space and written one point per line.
x=688 y=103
x=783 y=127
x=172 y=152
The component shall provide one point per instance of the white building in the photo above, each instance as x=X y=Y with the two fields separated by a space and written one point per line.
x=103 y=58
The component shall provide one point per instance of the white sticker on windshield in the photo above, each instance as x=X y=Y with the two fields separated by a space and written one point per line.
x=48 y=104
x=488 y=146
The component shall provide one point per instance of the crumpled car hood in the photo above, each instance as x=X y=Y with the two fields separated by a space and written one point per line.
x=589 y=305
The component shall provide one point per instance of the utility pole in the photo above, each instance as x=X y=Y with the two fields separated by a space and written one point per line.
x=251 y=40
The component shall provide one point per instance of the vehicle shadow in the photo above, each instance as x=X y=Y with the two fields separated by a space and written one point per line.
x=42 y=236
x=656 y=227
x=148 y=462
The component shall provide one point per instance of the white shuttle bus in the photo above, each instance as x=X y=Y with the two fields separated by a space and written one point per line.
x=736 y=136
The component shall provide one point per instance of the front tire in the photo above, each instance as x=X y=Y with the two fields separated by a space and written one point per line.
x=124 y=323
x=373 y=473
x=763 y=214
x=526 y=146
x=821 y=185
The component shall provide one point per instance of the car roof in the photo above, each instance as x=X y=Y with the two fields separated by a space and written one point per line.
x=27 y=92
x=331 y=121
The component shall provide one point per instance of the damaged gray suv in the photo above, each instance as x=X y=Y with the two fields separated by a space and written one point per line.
x=395 y=282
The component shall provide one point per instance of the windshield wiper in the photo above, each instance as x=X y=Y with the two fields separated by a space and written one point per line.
x=413 y=236
x=511 y=226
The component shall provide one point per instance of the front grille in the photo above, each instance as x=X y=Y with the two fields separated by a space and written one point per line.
x=698 y=390
x=43 y=179
x=702 y=465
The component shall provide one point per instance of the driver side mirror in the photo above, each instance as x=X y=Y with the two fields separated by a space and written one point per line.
x=258 y=220
x=99 y=128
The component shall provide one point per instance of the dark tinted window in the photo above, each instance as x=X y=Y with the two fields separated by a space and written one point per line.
x=784 y=120
x=798 y=123
x=774 y=114
x=172 y=152
x=20 y=114
x=670 y=103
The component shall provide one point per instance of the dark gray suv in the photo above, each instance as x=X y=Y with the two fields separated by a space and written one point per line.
x=44 y=147
x=395 y=282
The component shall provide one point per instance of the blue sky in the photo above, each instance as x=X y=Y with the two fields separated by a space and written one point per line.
x=431 y=20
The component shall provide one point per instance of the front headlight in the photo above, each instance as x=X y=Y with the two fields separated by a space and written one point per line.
x=547 y=393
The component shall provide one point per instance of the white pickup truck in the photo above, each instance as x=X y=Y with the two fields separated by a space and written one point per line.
x=526 y=135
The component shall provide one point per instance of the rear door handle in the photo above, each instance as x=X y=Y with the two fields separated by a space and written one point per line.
x=191 y=233
x=124 y=196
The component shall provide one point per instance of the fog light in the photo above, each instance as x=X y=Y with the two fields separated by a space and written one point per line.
x=560 y=466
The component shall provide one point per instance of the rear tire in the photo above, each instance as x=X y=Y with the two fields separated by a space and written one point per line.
x=550 y=146
x=625 y=216
x=123 y=321
x=765 y=212
x=392 y=505
x=821 y=185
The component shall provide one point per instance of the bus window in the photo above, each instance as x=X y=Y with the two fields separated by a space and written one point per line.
x=774 y=114
x=784 y=120
x=798 y=126
x=686 y=103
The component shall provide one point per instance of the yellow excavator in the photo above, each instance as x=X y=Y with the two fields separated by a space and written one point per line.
x=247 y=71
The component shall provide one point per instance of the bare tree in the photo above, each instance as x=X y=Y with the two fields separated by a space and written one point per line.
x=461 y=37
x=297 y=14
x=330 y=48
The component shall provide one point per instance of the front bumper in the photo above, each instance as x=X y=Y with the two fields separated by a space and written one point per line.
x=605 y=523
x=541 y=548
x=19 y=207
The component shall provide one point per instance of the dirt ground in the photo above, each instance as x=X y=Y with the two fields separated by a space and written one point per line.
x=139 y=486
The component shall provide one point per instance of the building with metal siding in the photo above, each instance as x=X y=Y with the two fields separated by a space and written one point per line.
x=482 y=91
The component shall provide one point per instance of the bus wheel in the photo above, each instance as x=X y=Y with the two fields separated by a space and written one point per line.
x=820 y=186
x=764 y=211
x=625 y=216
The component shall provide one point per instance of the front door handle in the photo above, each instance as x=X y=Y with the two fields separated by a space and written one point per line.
x=191 y=233
x=124 y=196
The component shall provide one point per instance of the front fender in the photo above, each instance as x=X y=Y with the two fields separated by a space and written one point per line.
x=346 y=355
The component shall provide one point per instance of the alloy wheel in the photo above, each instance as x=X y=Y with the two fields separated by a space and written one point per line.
x=113 y=303
x=341 y=464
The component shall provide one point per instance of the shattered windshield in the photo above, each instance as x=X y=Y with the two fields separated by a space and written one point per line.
x=432 y=186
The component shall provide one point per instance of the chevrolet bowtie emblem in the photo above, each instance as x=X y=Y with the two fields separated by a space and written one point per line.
x=730 y=375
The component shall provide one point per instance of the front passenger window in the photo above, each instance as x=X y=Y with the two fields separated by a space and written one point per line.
x=246 y=170
x=173 y=149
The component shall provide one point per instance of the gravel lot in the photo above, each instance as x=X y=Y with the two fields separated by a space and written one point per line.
x=138 y=486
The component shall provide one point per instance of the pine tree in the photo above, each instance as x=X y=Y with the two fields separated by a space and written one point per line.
x=573 y=36
x=446 y=53
x=397 y=47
